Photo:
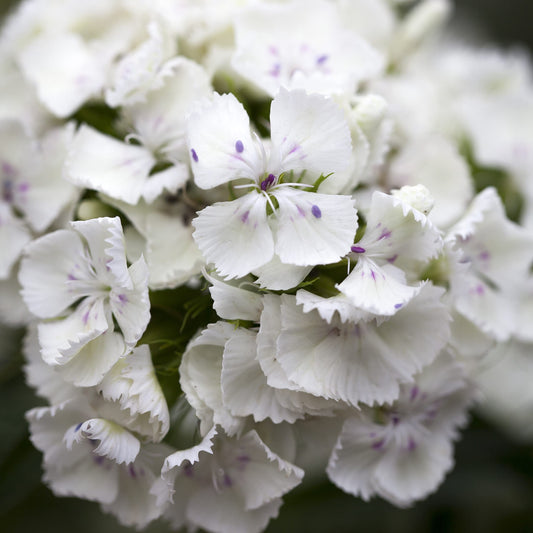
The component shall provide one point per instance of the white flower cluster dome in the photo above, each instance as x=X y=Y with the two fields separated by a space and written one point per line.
x=254 y=240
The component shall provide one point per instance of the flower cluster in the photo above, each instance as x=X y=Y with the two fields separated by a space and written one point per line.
x=251 y=240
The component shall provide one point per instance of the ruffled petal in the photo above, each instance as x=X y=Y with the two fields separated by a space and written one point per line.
x=314 y=228
x=221 y=144
x=309 y=132
x=379 y=290
x=235 y=236
x=115 y=442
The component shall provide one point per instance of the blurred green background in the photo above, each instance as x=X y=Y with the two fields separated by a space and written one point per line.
x=490 y=489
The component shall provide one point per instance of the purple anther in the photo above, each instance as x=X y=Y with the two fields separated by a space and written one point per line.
x=358 y=249
x=239 y=147
x=194 y=155
x=395 y=419
x=316 y=211
x=322 y=59
x=244 y=217
x=267 y=182
x=78 y=426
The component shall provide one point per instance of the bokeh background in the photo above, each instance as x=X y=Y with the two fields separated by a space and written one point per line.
x=490 y=489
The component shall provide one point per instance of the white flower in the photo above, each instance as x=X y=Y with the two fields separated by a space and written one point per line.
x=364 y=361
x=309 y=133
x=85 y=264
x=301 y=45
x=397 y=238
x=96 y=459
x=225 y=485
x=402 y=451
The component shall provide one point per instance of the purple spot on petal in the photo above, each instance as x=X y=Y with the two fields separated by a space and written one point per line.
x=358 y=249
x=188 y=470
x=273 y=50
x=132 y=472
x=484 y=256
x=392 y=259
x=194 y=155
x=385 y=234
x=373 y=274
x=72 y=277
x=243 y=459
x=397 y=306
x=227 y=481
x=244 y=217
x=294 y=148
x=411 y=446
x=85 y=317
x=98 y=459
x=378 y=445
x=239 y=147
x=78 y=426
x=300 y=211
x=395 y=420
x=480 y=290
x=322 y=59
x=317 y=213
x=123 y=298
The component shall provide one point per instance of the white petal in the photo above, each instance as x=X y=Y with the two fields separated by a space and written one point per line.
x=200 y=372
x=314 y=228
x=63 y=68
x=309 y=132
x=376 y=289
x=397 y=233
x=278 y=276
x=233 y=303
x=133 y=383
x=62 y=339
x=49 y=265
x=235 y=236
x=100 y=162
x=90 y=364
x=105 y=240
x=115 y=442
x=220 y=143
x=131 y=308
x=171 y=179
x=327 y=307
x=244 y=386
x=46 y=381
x=14 y=235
